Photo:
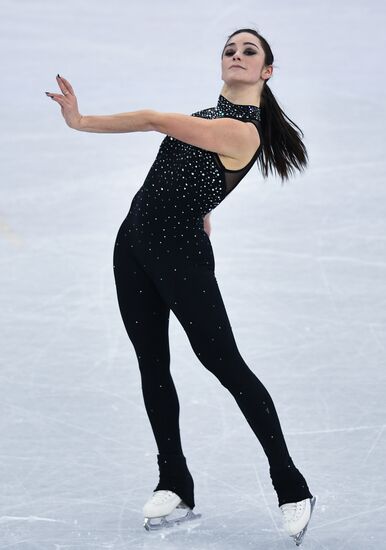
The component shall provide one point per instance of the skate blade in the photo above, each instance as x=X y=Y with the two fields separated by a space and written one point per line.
x=157 y=524
x=298 y=538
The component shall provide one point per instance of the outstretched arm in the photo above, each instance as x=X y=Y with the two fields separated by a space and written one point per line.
x=136 y=121
x=225 y=136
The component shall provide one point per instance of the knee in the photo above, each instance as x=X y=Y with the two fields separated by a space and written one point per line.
x=231 y=371
x=155 y=362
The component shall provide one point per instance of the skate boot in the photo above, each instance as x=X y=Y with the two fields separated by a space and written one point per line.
x=172 y=501
x=165 y=509
x=296 y=517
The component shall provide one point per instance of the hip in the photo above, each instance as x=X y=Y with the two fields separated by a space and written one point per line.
x=156 y=245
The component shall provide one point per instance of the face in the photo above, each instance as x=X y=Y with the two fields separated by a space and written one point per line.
x=243 y=49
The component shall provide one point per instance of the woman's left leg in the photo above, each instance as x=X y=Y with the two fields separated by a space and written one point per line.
x=195 y=299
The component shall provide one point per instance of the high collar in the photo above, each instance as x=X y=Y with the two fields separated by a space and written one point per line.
x=228 y=109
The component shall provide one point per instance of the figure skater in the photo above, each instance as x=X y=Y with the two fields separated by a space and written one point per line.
x=163 y=260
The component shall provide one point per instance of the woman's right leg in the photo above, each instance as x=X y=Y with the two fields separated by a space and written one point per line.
x=146 y=319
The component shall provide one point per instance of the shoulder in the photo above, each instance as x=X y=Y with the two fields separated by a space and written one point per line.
x=226 y=136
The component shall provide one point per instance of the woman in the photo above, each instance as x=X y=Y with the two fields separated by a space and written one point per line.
x=163 y=260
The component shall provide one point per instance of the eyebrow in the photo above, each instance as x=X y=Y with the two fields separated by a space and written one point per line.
x=233 y=43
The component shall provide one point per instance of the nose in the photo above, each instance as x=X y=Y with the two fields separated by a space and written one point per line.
x=236 y=56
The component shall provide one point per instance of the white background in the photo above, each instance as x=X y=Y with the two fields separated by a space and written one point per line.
x=301 y=267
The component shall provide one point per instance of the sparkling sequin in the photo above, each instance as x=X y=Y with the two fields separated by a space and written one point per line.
x=183 y=184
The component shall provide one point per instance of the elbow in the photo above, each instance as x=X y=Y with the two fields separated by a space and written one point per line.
x=154 y=120
x=161 y=122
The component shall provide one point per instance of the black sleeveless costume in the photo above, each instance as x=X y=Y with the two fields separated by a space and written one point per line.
x=163 y=260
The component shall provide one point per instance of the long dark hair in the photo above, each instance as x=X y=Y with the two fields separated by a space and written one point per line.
x=282 y=148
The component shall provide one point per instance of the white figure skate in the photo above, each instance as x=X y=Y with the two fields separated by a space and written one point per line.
x=296 y=517
x=164 y=509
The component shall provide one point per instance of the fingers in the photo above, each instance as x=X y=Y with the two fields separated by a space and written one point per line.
x=66 y=89
x=64 y=85
x=68 y=85
x=56 y=97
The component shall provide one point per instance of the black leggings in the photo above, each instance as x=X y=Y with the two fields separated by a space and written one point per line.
x=145 y=299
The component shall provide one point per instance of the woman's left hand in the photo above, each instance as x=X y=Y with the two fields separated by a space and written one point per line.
x=68 y=103
x=207 y=227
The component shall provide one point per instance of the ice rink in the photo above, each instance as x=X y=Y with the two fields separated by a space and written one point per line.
x=301 y=267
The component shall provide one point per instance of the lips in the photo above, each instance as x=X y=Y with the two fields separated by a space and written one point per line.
x=239 y=66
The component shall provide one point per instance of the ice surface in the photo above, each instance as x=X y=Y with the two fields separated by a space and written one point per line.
x=78 y=458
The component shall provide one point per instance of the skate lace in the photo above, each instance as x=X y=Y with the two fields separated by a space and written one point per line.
x=162 y=496
x=292 y=510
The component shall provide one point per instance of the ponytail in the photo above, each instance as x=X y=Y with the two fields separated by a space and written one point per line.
x=283 y=149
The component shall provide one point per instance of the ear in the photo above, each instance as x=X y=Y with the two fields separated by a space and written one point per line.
x=268 y=71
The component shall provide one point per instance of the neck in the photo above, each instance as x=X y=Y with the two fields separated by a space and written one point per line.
x=242 y=95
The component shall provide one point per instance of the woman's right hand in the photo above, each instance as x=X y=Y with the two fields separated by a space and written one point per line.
x=68 y=103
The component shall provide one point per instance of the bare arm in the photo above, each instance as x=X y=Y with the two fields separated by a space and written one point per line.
x=134 y=121
x=225 y=136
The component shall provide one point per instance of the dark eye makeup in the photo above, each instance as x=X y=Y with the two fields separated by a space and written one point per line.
x=249 y=52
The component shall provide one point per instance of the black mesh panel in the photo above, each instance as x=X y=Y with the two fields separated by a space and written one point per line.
x=233 y=177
